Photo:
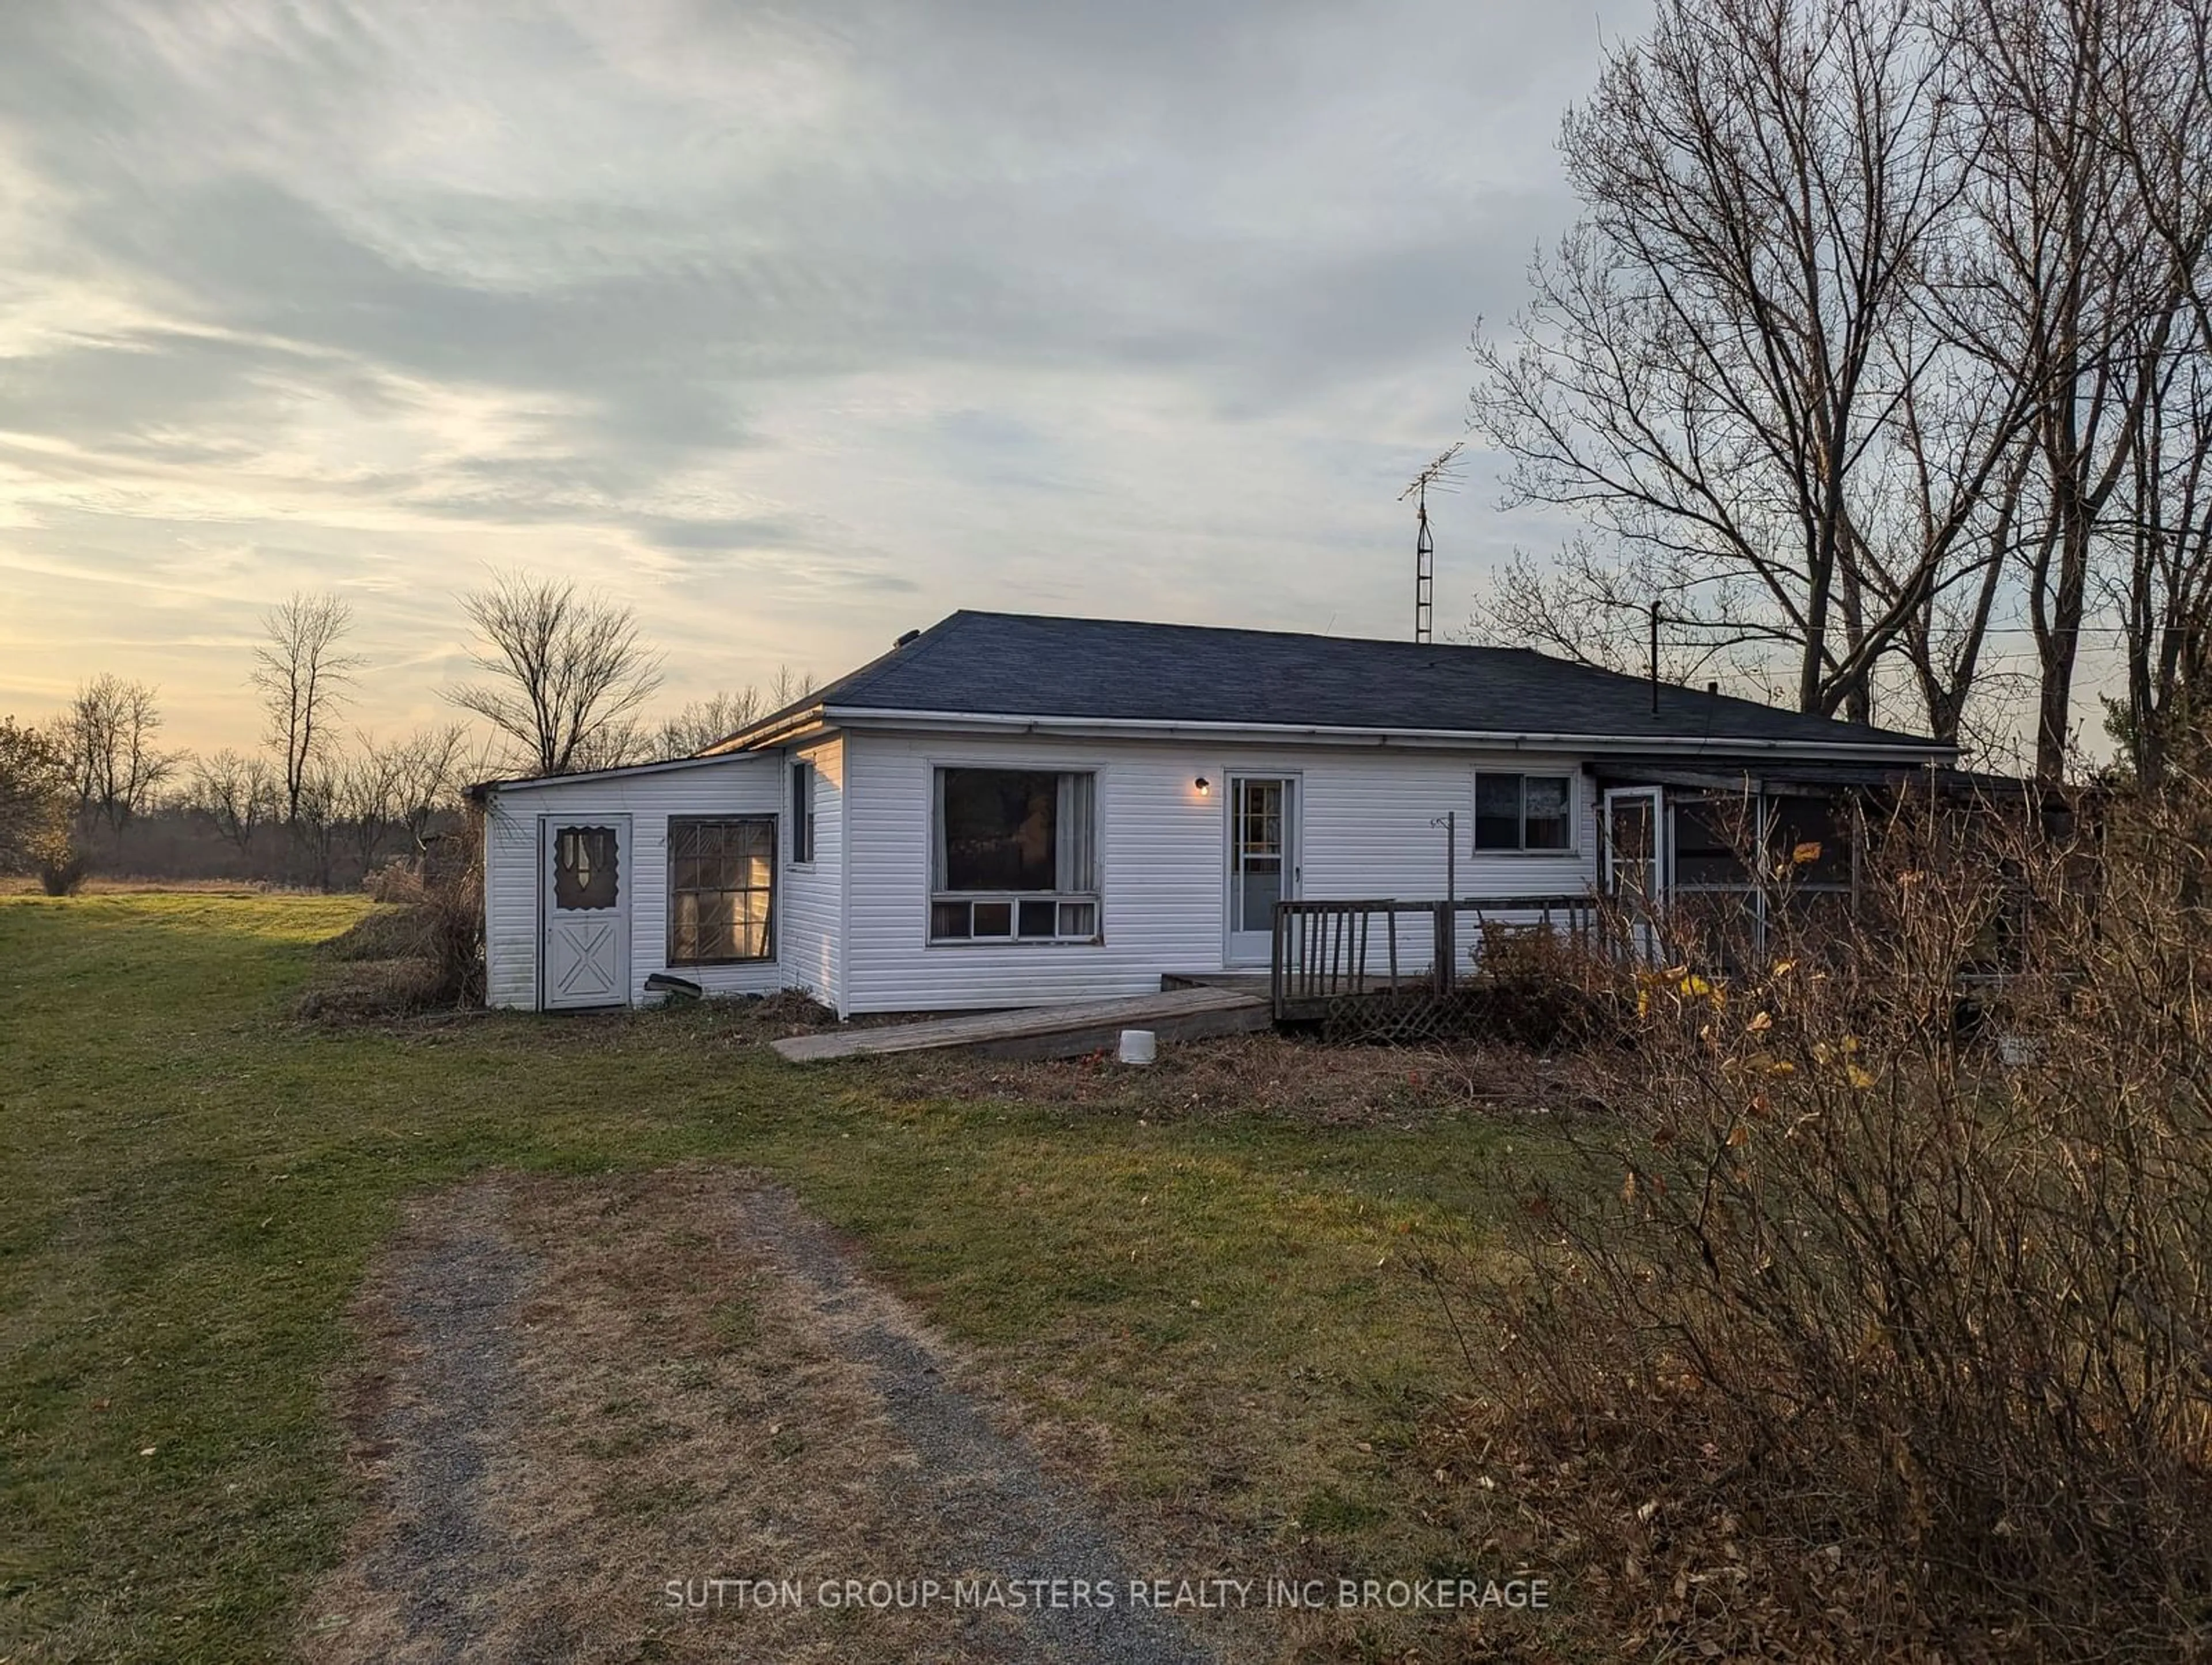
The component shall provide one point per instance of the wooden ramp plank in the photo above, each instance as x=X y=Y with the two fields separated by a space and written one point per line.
x=1055 y=1031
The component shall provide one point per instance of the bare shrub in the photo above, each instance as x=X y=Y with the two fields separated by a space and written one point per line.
x=62 y=871
x=453 y=929
x=1844 y=1335
x=1543 y=988
x=421 y=949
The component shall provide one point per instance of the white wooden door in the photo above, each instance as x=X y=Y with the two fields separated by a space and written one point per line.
x=1262 y=862
x=1635 y=862
x=586 y=863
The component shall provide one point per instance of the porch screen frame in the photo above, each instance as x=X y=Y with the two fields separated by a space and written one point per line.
x=1761 y=888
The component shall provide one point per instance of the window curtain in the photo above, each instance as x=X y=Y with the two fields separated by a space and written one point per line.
x=937 y=879
x=1077 y=855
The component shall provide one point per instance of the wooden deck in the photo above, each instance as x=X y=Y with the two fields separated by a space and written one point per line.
x=1057 y=1031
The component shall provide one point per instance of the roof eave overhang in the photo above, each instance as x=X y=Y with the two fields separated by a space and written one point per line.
x=484 y=789
x=780 y=730
x=1410 y=738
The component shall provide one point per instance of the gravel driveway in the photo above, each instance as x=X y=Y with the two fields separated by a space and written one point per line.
x=633 y=1418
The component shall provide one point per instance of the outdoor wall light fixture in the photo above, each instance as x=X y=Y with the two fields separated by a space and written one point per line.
x=1203 y=785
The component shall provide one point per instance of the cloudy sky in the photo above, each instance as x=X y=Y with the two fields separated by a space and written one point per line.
x=793 y=327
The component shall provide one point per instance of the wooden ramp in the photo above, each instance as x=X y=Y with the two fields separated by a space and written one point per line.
x=1055 y=1031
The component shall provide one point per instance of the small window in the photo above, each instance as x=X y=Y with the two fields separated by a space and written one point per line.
x=721 y=890
x=802 y=812
x=1523 y=811
x=584 y=868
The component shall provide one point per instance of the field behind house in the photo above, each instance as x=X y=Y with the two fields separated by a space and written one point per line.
x=1195 y=1296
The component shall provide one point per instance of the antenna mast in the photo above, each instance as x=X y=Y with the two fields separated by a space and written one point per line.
x=1440 y=474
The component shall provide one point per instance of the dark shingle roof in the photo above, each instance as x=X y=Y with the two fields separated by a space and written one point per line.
x=1023 y=665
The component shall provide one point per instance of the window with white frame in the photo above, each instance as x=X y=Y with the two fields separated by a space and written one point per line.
x=1523 y=811
x=802 y=811
x=1014 y=856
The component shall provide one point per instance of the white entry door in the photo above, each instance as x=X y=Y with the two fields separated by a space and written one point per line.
x=1635 y=862
x=585 y=959
x=1262 y=862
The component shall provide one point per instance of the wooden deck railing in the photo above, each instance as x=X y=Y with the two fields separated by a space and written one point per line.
x=1323 y=951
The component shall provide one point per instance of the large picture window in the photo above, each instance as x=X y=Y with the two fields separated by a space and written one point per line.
x=721 y=890
x=1014 y=856
x=1523 y=811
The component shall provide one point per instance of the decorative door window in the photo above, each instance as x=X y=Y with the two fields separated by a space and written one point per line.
x=584 y=868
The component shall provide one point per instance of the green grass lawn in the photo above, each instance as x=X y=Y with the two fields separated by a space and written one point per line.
x=193 y=1183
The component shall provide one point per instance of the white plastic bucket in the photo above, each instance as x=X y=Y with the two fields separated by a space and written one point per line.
x=1139 y=1045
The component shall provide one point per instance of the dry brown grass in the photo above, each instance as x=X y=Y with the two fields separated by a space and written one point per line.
x=1279 y=1076
x=104 y=885
x=420 y=949
x=1284 y=1077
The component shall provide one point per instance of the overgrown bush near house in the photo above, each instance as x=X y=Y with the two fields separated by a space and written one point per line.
x=1845 y=1337
x=1542 y=987
x=420 y=949
x=454 y=904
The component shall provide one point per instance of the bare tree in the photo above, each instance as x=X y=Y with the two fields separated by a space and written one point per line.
x=239 y=794
x=565 y=672
x=304 y=675
x=700 y=724
x=2162 y=587
x=108 y=736
x=788 y=687
x=316 y=820
x=398 y=787
x=365 y=804
x=1850 y=354
x=2083 y=126
x=2100 y=119
x=613 y=745
x=427 y=768
x=1706 y=367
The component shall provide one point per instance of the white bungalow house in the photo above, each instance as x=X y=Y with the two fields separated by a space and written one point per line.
x=1010 y=810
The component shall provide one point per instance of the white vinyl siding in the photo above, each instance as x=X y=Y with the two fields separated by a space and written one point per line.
x=810 y=914
x=852 y=927
x=745 y=784
x=1364 y=831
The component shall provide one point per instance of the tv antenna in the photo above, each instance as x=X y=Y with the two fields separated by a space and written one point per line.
x=1440 y=474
